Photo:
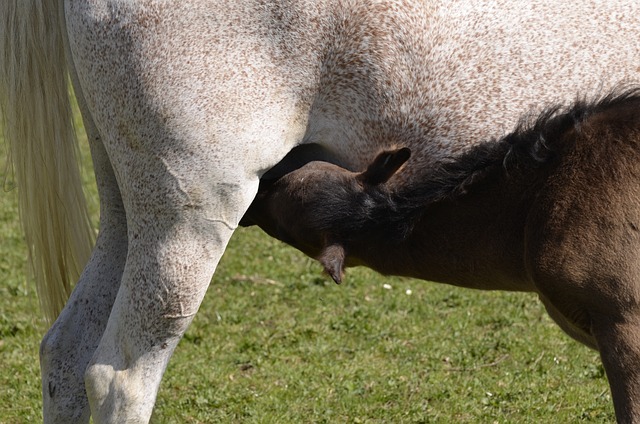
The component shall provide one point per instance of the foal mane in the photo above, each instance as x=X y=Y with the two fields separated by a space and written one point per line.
x=534 y=144
x=392 y=212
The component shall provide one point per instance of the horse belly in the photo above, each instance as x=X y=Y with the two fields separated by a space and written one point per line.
x=439 y=77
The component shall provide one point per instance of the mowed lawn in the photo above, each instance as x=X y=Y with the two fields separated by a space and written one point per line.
x=276 y=341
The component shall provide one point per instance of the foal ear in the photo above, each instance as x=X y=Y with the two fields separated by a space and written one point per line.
x=332 y=259
x=384 y=166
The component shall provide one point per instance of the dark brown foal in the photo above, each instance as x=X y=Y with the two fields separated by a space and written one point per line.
x=553 y=208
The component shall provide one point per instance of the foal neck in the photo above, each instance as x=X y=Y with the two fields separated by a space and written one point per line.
x=472 y=240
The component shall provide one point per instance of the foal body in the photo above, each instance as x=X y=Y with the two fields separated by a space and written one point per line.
x=553 y=208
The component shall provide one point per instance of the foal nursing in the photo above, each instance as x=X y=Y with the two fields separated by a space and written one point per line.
x=552 y=208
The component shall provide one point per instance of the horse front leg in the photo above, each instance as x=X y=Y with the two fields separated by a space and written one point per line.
x=178 y=226
x=619 y=344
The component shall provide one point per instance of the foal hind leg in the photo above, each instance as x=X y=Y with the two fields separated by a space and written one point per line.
x=67 y=347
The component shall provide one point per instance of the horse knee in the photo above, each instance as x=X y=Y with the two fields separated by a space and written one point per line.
x=97 y=379
x=169 y=266
x=48 y=345
x=116 y=396
x=50 y=349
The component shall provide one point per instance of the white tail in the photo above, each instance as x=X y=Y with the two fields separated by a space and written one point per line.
x=38 y=127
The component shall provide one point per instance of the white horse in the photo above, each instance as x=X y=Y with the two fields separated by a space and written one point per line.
x=188 y=103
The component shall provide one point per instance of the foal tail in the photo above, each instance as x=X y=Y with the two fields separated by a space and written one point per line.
x=42 y=146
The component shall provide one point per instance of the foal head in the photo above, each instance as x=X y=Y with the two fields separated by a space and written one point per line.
x=320 y=208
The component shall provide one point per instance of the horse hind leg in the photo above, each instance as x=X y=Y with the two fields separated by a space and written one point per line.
x=179 y=221
x=69 y=344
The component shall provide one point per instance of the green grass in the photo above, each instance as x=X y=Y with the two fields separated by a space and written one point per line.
x=276 y=342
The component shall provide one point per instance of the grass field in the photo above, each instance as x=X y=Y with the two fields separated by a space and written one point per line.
x=276 y=342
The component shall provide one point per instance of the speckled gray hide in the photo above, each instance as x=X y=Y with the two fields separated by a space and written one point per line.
x=187 y=103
